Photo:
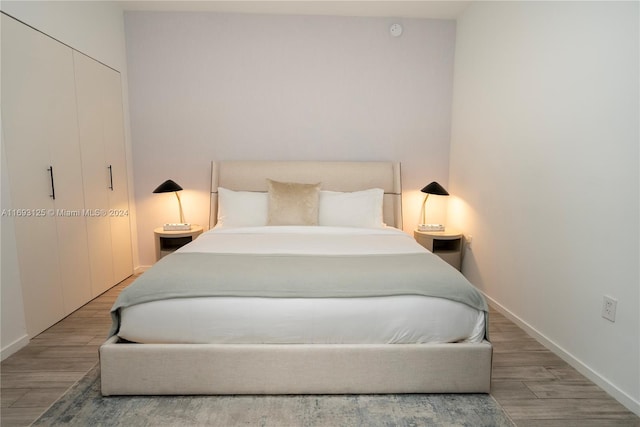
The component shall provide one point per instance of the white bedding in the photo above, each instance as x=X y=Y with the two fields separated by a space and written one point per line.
x=313 y=240
x=392 y=319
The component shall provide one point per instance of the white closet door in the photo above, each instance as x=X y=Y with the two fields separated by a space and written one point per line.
x=40 y=132
x=90 y=93
x=117 y=160
x=71 y=220
x=100 y=118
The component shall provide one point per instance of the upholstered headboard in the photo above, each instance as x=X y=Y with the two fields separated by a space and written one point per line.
x=333 y=176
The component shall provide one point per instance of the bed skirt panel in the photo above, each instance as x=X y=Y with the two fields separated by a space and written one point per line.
x=210 y=369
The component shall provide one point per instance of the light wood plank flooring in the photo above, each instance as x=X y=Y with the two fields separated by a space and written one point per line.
x=535 y=387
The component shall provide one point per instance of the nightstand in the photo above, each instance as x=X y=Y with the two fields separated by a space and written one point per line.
x=446 y=244
x=169 y=241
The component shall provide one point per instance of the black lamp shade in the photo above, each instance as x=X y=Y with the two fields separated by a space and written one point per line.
x=168 y=186
x=435 y=188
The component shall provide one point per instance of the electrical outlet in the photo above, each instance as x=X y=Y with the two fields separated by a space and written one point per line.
x=469 y=239
x=609 y=308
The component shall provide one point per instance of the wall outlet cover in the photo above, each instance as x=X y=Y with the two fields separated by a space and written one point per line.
x=609 y=306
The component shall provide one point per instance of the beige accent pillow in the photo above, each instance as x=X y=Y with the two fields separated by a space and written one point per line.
x=292 y=203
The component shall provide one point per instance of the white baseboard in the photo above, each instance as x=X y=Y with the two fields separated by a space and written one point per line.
x=141 y=269
x=14 y=347
x=622 y=397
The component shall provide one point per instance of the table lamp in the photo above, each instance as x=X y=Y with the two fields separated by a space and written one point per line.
x=167 y=187
x=436 y=189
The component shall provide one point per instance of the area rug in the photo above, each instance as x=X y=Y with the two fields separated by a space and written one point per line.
x=83 y=405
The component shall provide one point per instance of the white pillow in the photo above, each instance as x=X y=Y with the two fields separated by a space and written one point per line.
x=355 y=209
x=242 y=208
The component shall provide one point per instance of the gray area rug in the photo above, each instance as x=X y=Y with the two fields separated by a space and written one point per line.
x=83 y=405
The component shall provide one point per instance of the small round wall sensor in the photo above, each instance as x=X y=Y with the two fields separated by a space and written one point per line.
x=395 y=30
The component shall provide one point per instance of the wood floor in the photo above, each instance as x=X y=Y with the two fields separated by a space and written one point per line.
x=534 y=387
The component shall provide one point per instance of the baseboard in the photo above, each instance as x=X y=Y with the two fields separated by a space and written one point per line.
x=141 y=269
x=622 y=397
x=14 y=347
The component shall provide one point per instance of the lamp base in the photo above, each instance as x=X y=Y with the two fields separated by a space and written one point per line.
x=176 y=227
x=430 y=227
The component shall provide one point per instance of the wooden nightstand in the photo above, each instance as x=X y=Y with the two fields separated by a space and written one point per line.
x=169 y=241
x=446 y=244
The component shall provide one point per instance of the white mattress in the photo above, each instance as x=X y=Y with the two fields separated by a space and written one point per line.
x=381 y=320
x=398 y=319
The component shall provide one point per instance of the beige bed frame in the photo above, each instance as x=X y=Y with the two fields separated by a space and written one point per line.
x=179 y=369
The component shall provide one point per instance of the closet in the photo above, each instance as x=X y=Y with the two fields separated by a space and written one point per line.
x=104 y=171
x=50 y=161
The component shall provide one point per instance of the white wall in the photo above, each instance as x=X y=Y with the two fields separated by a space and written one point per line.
x=96 y=29
x=544 y=164
x=207 y=86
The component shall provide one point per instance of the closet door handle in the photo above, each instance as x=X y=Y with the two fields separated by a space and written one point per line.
x=53 y=187
x=110 y=178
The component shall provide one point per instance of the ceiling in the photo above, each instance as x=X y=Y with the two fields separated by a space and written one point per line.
x=400 y=9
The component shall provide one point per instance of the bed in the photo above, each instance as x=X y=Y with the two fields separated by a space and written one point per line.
x=291 y=307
